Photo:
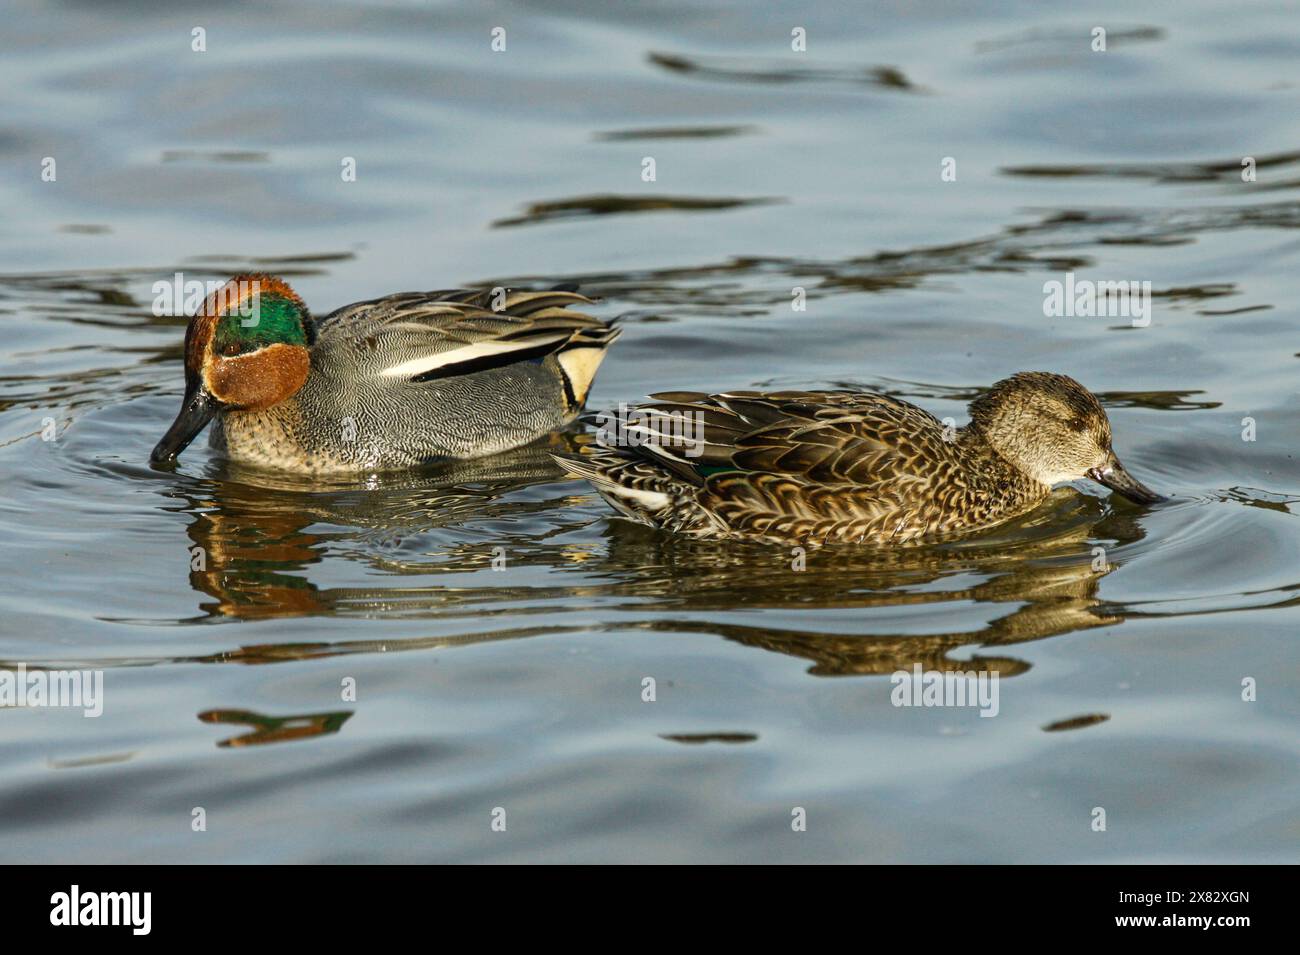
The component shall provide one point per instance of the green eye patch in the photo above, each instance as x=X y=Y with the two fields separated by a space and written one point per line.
x=267 y=319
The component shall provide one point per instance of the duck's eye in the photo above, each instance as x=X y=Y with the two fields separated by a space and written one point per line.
x=231 y=350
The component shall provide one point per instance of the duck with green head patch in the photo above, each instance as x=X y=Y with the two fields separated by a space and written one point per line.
x=396 y=382
x=797 y=467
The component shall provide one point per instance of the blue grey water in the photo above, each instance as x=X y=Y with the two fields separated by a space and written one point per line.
x=1120 y=686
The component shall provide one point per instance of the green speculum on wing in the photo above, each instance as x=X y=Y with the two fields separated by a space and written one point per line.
x=261 y=321
x=709 y=470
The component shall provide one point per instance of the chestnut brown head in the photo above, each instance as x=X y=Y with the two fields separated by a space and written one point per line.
x=246 y=349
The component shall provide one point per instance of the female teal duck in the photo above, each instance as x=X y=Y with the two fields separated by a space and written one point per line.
x=816 y=467
x=386 y=384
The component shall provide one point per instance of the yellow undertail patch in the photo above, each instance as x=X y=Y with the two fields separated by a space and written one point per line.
x=579 y=366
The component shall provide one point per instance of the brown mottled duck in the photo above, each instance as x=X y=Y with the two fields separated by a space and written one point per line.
x=842 y=466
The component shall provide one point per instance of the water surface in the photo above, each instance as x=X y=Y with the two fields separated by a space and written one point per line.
x=521 y=688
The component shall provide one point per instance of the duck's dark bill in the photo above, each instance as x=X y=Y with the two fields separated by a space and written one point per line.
x=1121 y=482
x=196 y=411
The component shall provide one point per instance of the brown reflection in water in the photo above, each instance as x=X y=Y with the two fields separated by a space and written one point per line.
x=1258 y=497
x=1039 y=39
x=694 y=739
x=1244 y=310
x=744 y=70
x=248 y=555
x=276 y=729
x=251 y=530
x=1049 y=574
x=1076 y=722
x=1214 y=170
x=83 y=762
x=215 y=155
x=673 y=132
x=258 y=547
x=259 y=653
x=609 y=204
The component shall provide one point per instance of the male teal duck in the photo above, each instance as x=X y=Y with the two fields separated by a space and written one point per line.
x=797 y=467
x=391 y=383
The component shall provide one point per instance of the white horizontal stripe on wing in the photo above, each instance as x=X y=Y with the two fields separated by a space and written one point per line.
x=427 y=363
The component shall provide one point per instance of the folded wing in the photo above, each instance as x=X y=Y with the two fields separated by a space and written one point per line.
x=426 y=336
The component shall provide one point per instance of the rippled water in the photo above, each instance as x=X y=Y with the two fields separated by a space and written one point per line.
x=521 y=689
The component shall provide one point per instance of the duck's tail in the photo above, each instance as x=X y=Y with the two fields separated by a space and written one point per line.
x=636 y=489
x=579 y=360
